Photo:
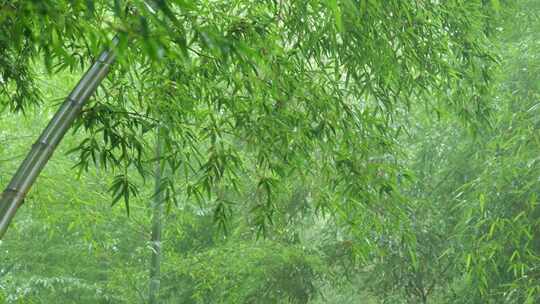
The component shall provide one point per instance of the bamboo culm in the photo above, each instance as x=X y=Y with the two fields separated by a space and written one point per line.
x=157 y=225
x=21 y=182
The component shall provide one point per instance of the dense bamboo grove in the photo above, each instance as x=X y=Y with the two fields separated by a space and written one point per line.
x=303 y=151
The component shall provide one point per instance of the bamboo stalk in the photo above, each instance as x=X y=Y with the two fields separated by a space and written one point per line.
x=14 y=194
x=157 y=226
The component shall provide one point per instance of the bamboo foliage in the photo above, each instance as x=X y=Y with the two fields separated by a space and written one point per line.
x=268 y=88
x=283 y=77
x=40 y=153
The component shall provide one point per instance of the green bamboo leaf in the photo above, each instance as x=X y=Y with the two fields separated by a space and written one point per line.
x=336 y=10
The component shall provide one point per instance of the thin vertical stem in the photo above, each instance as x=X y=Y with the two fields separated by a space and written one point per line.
x=157 y=226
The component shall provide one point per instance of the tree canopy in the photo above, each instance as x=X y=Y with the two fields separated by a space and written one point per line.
x=256 y=90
